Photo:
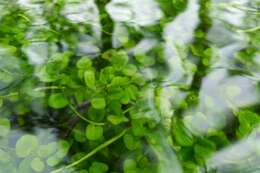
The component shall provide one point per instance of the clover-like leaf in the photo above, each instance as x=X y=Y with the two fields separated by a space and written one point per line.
x=84 y=63
x=89 y=77
x=98 y=167
x=114 y=119
x=37 y=164
x=182 y=135
x=58 y=101
x=119 y=59
x=46 y=150
x=98 y=103
x=131 y=143
x=26 y=145
x=130 y=166
x=94 y=132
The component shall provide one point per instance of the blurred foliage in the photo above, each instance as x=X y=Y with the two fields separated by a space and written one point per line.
x=109 y=107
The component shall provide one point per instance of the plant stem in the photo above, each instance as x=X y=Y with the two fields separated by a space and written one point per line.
x=48 y=87
x=9 y=95
x=250 y=29
x=83 y=118
x=91 y=153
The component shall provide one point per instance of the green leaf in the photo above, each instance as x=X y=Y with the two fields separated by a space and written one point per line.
x=130 y=70
x=98 y=167
x=248 y=117
x=98 y=103
x=119 y=81
x=4 y=127
x=58 y=101
x=24 y=165
x=26 y=145
x=119 y=59
x=79 y=133
x=4 y=157
x=94 y=132
x=131 y=143
x=84 y=63
x=129 y=165
x=63 y=148
x=45 y=76
x=125 y=99
x=144 y=60
x=37 y=164
x=46 y=150
x=181 y=134
x=248 y=121
x=89 y=77
x=6 y=77
x=204 y=149
x=106 y=74
x=115 y=120
x=96 y=114
x=132 y=92
x=53 y=160
x=62 y=59
x=108 y=55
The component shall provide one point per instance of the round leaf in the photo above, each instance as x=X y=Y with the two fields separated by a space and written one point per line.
x=94 y=132
x=98 y=103
x=26 y=145
x=37 y=165
x=58 y=101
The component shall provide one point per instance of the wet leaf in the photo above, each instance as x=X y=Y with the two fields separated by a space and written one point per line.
x=37 y=165
x=22 y=149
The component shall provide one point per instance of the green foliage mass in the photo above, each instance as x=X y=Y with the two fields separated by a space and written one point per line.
x=113 y=110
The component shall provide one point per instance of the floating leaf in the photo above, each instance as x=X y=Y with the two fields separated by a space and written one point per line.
x=46 y=150
x=37 y=164
x=26 y=145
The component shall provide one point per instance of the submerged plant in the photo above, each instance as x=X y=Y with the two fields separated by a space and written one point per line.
x=105 y=86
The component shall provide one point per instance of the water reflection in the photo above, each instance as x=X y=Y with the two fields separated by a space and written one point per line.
x=25 y=152
x=242 y=156
x=177 y=35
x=230 y=83
x=133 y=13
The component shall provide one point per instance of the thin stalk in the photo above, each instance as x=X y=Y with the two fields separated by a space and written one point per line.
x=48 y=88
x=250 y=29
x=9 y=95
x=83 y=118
x=91 y=153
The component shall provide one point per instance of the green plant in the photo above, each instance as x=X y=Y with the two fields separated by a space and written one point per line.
x=115 y=108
